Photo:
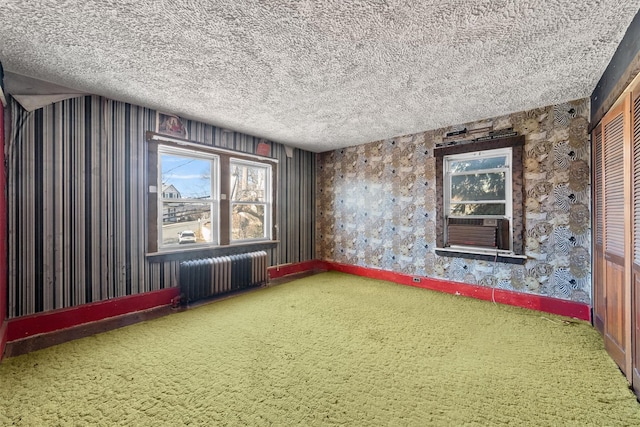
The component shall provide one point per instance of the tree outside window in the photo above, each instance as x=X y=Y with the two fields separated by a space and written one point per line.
x=250 y=200
x=478 y=192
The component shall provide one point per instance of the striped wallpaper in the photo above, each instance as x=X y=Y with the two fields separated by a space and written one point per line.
x=76 y=203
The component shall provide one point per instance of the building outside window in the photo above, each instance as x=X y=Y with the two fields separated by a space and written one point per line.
x=190 y=196
x=202 y=197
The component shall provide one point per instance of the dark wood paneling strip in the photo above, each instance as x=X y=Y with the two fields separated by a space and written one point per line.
x=88 y=211
x=38 y=213
x=622 y=68
x=127 y=198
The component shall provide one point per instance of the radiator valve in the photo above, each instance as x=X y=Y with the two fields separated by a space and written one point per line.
x=175 y=301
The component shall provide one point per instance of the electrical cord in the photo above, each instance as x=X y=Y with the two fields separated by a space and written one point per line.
x=493 y=273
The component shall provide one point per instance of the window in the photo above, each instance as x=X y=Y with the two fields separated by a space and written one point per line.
x=250 y=200
x=477 y=198
x=478 y=184
x=189 y=203
x=481 y=205
x=202 y=197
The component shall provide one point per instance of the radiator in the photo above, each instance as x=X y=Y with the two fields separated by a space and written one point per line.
x=207 y=277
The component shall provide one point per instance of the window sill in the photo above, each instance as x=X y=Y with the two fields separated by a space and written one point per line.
x=182 y=254
x=483 y=255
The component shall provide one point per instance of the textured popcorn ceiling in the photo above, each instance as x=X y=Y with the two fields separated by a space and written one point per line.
x=320 y=74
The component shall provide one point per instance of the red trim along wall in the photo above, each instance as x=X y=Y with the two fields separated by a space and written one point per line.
x=49 y=321
x=533 y=302
x=3 y=337
x=3 y=241
x=278 y=271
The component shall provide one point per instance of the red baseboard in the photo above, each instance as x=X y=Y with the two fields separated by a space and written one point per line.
x=3 y=337
x=40 y=323
x=278 y=271
x=534 y=302
x=49 y=321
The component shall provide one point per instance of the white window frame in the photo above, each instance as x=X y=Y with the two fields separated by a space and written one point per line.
x=267 y=195
x=214 y=200
x=474 y=155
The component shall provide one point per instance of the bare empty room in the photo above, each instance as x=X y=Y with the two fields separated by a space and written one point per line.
x=320 y=212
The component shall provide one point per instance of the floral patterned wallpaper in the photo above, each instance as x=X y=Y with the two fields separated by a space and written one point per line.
x=376 y=206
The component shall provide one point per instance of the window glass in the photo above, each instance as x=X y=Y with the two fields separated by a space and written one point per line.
x=475 y=187
x=250 y=200
x=247 y=221
x=192 y=205
x=461 y=209
x=478 y=164
x=189 y=176
x=188 y=203
x=248 y=183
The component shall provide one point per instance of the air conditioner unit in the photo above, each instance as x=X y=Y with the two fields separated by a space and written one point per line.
x=482 y=232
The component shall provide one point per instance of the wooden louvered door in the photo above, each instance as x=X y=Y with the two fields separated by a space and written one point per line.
x=613 y=283
x=616 y=232
x=635 y=270
x=599 y=300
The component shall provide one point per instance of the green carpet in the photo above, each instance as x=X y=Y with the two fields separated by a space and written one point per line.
x=330 y=349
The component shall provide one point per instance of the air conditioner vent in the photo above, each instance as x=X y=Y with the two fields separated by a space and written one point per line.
x=481 y=232
x=472 y=235
x=466 y=221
